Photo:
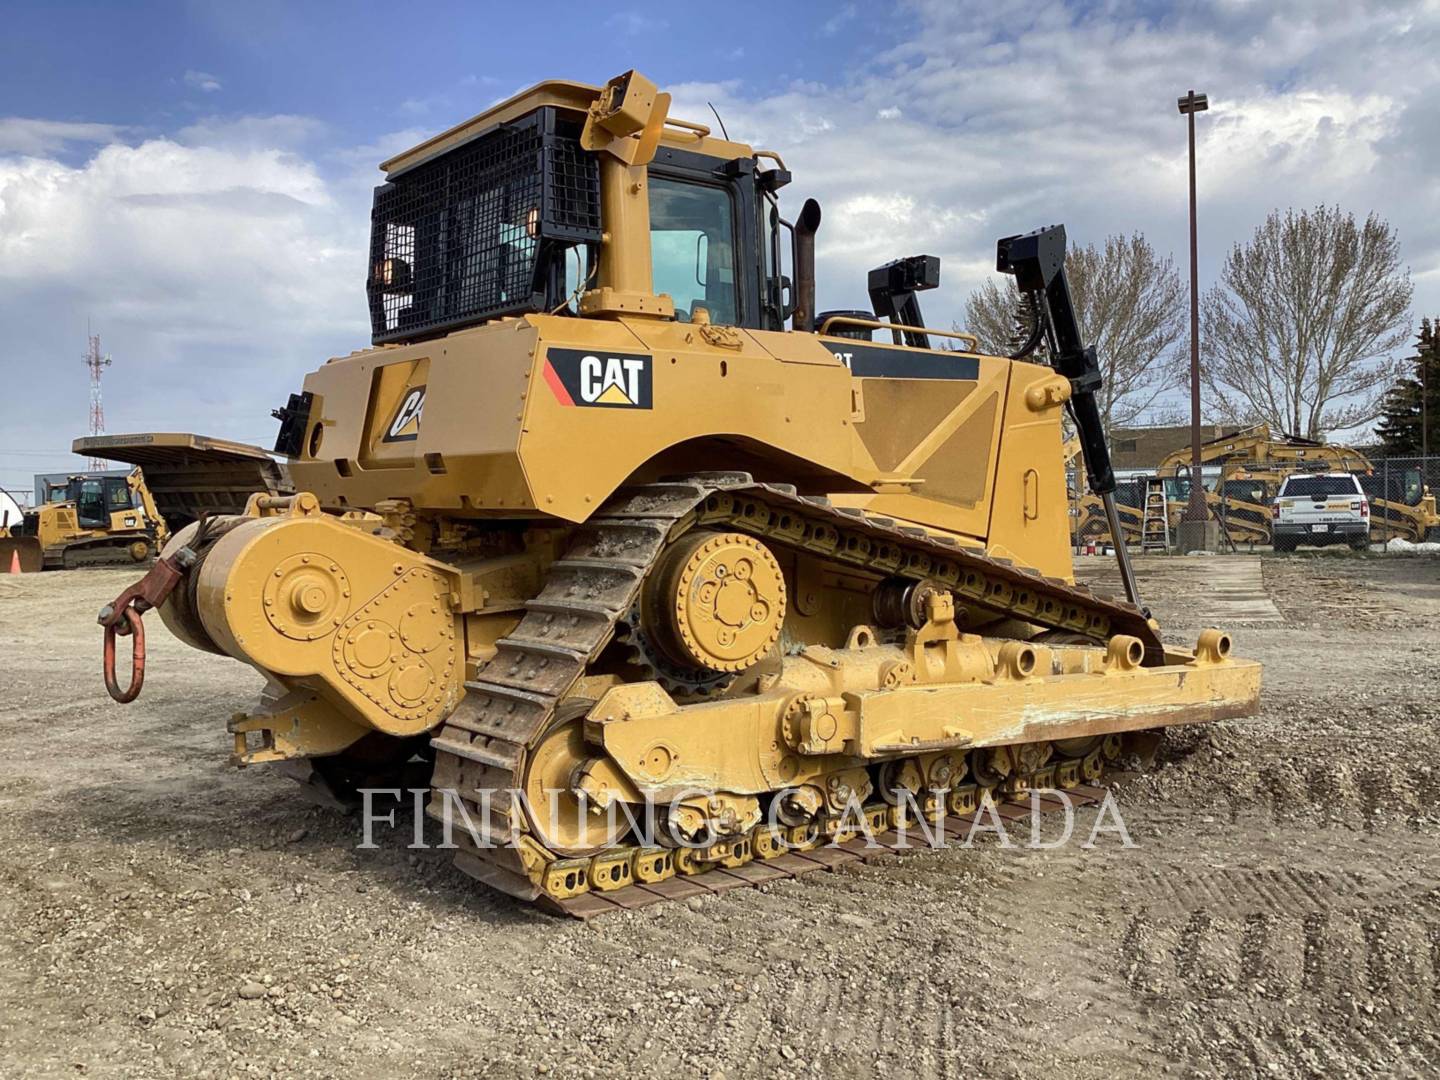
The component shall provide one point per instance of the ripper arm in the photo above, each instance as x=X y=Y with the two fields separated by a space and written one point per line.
x=1037 y=262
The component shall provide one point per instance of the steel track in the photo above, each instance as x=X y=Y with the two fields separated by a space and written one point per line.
x=512 y=704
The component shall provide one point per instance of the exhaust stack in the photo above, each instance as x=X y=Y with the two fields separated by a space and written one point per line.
x=805 y=228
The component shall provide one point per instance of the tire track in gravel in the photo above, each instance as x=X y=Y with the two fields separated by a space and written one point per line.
x=1233 y=962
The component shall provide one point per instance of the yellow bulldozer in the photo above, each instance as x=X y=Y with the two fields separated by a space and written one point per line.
x=85 y=519
x=674 y=576
x=193 y=476
x=119 y=517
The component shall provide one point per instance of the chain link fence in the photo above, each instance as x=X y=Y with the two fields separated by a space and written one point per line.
x=1402 y=494
x=1239 y=494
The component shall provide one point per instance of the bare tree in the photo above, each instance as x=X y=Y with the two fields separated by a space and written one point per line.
x=1300 y=330
x=1130 y=305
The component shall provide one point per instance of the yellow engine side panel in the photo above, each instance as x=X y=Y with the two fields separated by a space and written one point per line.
x=984 y=462
x=436 y=422
x=596 y=416
x=549 y=415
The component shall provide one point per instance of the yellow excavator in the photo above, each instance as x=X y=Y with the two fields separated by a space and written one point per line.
x=677 y=580
x=1253 y=465
x=1089 y=522
x=86 y=519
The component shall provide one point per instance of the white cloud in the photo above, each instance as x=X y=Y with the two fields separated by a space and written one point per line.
x=223 y=262
x=202 y=81
x=630 y=23
x=282 y=131
x=837 y=22
x=40 y=137
x=217 y=275
x=992 y=119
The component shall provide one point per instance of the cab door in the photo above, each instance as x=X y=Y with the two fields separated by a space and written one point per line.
x=120 y=501
x=89 y=496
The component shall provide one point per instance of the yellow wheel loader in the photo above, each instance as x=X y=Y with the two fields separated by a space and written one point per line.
x=89 y=519
x=675 y=579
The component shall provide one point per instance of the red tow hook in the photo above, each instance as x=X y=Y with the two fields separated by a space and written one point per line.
x=123 y=618
x=136 y=629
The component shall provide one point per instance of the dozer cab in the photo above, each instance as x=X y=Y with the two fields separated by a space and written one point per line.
x=86 y=519
x=672 y=573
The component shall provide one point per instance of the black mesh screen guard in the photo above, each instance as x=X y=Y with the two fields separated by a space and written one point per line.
x=476 y=232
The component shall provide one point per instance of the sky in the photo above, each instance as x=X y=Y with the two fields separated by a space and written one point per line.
x=192 y=180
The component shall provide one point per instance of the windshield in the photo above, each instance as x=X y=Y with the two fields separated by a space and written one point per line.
x=117 y=493
x=1177 y=489
x=1299 y=486
x=1402 y=485
x=692 y=247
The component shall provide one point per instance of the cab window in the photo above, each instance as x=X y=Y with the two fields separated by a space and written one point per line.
x=692 y=248
x=1414 y=487
x=772 y=297
x=117 y=493
x=90 y=503
x=1253 y=491
x=1319 y=486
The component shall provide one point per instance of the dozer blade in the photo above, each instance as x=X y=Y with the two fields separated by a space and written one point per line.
x=22 y=551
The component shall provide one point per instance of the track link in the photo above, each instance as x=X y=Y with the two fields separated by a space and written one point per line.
x=518 y=696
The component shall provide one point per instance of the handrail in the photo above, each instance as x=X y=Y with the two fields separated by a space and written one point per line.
x=701 y=130
x=773 y=156
x=878 y=325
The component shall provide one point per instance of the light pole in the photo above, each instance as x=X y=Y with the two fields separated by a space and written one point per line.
x=1424 y=405
x=1191 y=104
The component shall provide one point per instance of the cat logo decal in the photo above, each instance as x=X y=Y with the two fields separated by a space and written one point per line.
x=600 y=380
x=405 y=424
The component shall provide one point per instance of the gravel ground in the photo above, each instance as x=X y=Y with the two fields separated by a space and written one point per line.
x=1280 y=916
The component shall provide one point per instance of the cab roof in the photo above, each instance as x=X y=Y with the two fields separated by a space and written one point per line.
x=572 y=97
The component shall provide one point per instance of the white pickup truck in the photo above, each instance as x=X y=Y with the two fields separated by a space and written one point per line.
x=1320 y=509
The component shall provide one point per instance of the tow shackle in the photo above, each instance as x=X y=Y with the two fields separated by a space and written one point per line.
x=134 y=628
x=123 y=619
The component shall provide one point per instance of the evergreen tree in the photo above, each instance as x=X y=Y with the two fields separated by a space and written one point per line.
x=1401 y=425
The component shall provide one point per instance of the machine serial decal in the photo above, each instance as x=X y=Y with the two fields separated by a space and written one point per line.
x=870 y=362
x=405 y=424
x=601 y=380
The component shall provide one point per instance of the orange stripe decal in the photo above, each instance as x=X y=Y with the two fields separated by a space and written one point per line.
x=561 y=394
